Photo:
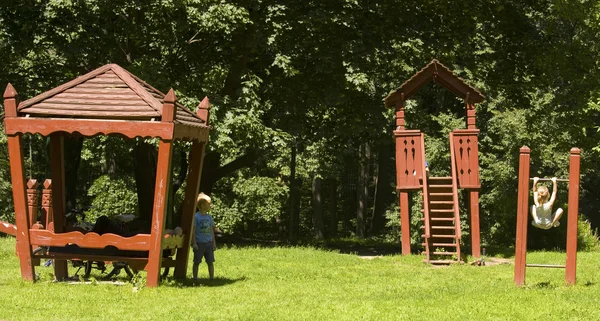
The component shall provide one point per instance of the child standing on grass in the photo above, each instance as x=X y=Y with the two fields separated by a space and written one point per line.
x=203 y=238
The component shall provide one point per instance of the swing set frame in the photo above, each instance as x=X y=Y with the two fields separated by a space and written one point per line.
x=523 y=218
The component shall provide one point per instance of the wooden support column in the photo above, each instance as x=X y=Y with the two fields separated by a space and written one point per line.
x=400 y=113
x=57 y=167
x=196 y=161
x=470 y=109
x=475 y=233
x=405 y=222
x=522 y=218
x=17 y=175
x=162 y=189
x=571 y=265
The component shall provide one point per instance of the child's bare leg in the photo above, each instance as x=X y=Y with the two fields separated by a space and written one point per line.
x=195 y=271
x=211 y=270
x=557 y=216
x=534 y=215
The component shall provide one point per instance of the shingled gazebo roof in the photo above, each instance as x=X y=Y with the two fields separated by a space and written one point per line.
x=109 y=95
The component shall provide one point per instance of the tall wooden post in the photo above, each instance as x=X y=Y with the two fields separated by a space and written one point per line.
x=522 y=210
x=17 y=174
x=163 y=186
x=571 y=264
x=193 y=184
x=405 y=222
x=475 y=232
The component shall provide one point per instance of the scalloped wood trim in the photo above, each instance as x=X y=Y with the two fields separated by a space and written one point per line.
x=140 y=242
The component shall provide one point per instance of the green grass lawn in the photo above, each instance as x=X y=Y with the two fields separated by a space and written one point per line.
x=302 y=283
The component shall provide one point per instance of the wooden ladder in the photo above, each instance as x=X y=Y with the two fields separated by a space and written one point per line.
x=443 y=245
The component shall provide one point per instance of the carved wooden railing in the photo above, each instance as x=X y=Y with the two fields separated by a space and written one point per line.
x=455 y=191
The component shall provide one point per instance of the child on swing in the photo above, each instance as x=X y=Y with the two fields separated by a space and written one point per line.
x=542 y=210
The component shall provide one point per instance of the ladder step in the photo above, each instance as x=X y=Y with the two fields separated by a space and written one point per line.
x=444 y=253
x=443 y=244
x=441 y=194
x=440 y=228
x=441 y=202
x=441 y=236
x=440 y=219
x=439 y=186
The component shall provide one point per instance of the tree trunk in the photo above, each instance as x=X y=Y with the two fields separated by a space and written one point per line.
x=333 y=219
x=382 y=189
x=317 y=206
x=145 y=177
x=294 y=216
x=362 y=188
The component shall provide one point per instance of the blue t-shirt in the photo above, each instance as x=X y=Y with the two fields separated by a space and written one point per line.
x=203 y=227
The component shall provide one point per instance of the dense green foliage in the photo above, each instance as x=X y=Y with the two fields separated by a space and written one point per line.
x=299 y=283
x=297 y=89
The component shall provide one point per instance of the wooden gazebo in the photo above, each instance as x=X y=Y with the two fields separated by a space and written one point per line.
x=106 y=101
x=441 y=223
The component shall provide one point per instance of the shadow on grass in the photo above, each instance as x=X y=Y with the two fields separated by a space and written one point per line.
x=218 y=281
x=360 y=247
x=543 y=285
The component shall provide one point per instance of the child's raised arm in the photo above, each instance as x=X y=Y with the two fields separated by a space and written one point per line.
x=554 y=191
x=535 y=193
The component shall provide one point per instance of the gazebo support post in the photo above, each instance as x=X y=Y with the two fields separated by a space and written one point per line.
x=162 y=189
x=189 y=204
x=17 y=174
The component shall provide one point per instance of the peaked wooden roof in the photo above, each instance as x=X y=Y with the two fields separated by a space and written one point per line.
x=109 y=92
x=107 y=101
x=434 y=71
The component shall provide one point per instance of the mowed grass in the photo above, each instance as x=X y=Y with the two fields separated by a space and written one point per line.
x=302 y=283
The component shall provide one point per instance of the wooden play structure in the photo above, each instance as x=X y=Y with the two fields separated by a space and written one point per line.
x=523 y=218
x=106 y=101
x=441 y=222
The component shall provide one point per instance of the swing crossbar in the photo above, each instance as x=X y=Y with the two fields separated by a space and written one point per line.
x=551 y=266
x=549 y=179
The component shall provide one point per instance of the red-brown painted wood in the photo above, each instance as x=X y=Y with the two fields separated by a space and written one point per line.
x=571 y=265
x=522 y=216
x=163 y=185
x=139 y=242
x=17 y=173
x=475 y=231
x=434 y=71
x=189 y=206
x=409 y=159
x=8 y=228
x=32 y=200
x=203 y=110
x=405 y=222
x=129 y=129
x=466 y=151
x=57 y=170
x=168 y=107
x=47 y=212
